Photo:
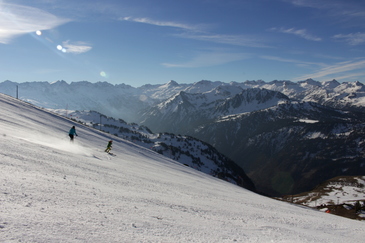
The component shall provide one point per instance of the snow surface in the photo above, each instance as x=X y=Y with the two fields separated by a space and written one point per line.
x=308 y=121
x=53 y=190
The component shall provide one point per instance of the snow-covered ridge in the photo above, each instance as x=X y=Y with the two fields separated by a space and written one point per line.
x=343 y=195
x=339 y=190
x=183 y=149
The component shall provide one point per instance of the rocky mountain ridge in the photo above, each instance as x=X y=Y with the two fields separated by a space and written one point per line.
x=291 y=148
x=185 y=111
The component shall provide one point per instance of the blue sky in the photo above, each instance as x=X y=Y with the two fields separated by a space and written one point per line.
x=153 y=41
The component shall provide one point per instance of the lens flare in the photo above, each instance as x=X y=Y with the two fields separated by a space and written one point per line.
x=61 y=48
x=103 y=74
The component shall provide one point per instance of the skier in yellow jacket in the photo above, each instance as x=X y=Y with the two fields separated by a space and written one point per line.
x=109 y=146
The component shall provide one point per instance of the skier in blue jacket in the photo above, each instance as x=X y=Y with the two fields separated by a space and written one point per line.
x=72 y=133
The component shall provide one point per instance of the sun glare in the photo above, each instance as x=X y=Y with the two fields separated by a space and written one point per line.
x=38 y=32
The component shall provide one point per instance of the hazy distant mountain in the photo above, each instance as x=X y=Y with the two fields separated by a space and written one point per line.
x=113 y=100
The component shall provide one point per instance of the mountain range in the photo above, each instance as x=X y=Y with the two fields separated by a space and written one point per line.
x=287 y=136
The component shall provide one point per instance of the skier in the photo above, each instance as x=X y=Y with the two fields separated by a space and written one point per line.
x=109 y=146
x=72 y=133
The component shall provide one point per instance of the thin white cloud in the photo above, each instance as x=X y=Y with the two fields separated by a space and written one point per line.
x=352 y=39
x=298 y=32
x=319 y=55
x=237 y=40
x=320 y=4
x=197 y=32
x=16 y=20
x=76 y=47
x=161 y=23
x=340 y=69
x=352 y=76
x=335 y=8
x=294 y=61
x=210 y=59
